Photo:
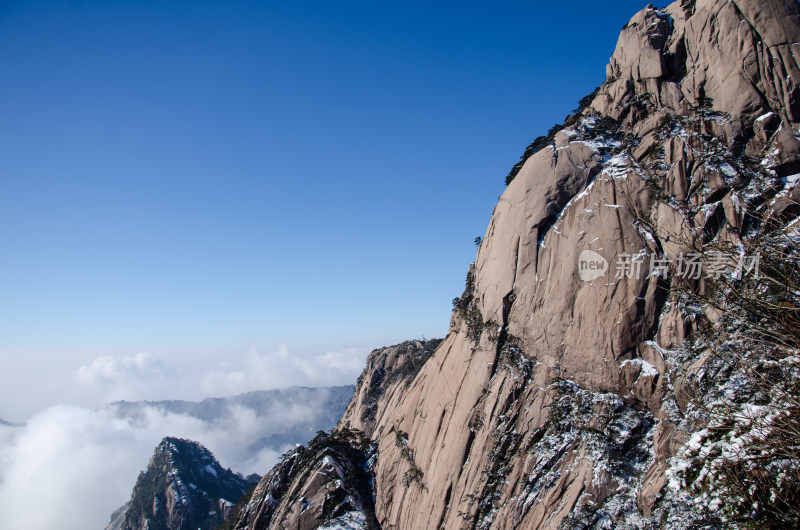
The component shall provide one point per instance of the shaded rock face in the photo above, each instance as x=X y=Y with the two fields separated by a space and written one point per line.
x=324 y=485
x=558 y=399
x=183 y=487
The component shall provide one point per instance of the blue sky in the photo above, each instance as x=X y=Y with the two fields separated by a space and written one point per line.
x=189 y=177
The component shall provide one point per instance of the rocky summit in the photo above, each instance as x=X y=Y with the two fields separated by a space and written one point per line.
x=593 y=375
x=183 y=487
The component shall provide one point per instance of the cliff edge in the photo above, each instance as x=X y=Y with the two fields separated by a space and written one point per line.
x=571 y=379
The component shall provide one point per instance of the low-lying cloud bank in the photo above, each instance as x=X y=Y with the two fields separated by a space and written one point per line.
x=70 y=466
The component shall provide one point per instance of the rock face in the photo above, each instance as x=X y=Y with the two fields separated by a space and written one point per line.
x=184 y=487
x=389 y=371
x=558 y=399
x=327 y=484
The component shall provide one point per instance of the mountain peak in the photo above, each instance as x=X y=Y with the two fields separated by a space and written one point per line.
x=184 y=486
x=733 y=58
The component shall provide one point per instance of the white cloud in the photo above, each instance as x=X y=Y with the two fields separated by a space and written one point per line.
x=66 y=468
x=110 y=369
x=110 y=378
x=145 y=376
x=70 y=467
x=275 y=369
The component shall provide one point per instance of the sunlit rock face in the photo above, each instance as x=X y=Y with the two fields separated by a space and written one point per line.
x=556 y=398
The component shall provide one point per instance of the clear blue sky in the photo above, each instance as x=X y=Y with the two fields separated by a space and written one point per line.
x=178 y=176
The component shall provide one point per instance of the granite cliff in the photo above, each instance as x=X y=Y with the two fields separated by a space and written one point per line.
x=576 y=375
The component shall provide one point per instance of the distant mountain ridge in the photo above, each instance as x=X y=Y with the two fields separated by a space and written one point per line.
x=322 y=408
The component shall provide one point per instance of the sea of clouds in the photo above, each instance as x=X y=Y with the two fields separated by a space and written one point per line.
x=69 y=466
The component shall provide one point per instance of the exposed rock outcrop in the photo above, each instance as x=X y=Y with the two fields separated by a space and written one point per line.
x=559 y=399
x=326 y=484
x=389 y=371
x=183 y=487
